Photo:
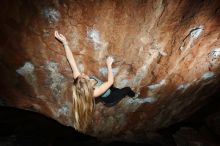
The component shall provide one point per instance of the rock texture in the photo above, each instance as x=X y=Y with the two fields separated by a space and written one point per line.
x=167 y=50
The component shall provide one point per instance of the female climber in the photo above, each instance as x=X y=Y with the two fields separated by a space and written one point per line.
x=86 y=88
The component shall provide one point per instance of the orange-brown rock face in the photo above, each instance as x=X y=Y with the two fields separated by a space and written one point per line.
x=167 y=50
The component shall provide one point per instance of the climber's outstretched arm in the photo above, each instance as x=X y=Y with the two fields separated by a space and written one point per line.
x=69 y=54
x=106 y=85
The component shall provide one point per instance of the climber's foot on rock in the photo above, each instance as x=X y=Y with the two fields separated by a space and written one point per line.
x=136 y=96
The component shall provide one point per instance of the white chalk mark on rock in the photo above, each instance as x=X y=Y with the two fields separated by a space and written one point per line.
x=196 y=32
x=142 y=100
x=64 y=110
x=156 y=86
x=99 y=44
x=215 y=53
x=27 y=69
x=55 y=79
x=183 y=87
x=93 y=35
x=104 y=71
x=51 y=14
x=208 y=75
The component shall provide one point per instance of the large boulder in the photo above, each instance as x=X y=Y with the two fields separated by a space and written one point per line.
x=167 y=50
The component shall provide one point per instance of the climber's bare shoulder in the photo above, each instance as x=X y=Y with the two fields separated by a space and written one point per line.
x=102 y=89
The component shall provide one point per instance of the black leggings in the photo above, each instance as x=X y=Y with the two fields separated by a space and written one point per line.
x=116 y=95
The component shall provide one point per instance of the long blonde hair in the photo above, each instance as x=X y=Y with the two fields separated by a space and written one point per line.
x=83 y=103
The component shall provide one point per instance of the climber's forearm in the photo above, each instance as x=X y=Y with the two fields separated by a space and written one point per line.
x=71 y=60
x=106 y=85
x=69 y=54
x=110 y=74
